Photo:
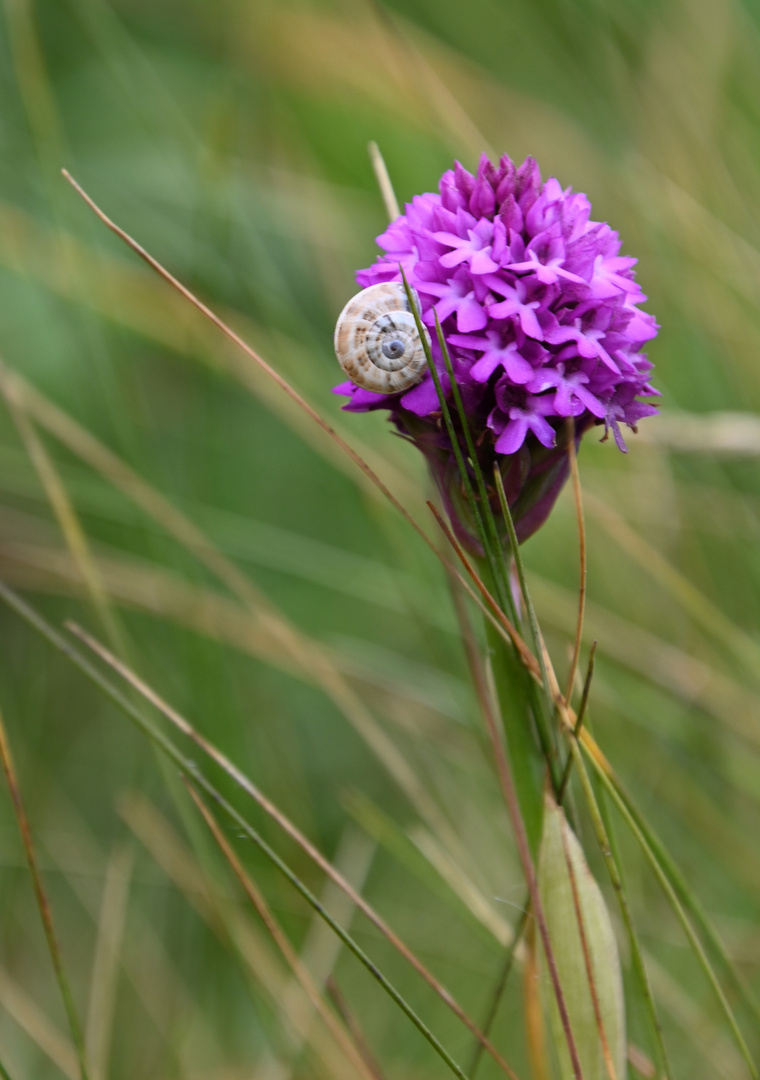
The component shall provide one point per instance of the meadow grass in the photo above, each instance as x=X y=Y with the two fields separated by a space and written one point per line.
x=157 y=488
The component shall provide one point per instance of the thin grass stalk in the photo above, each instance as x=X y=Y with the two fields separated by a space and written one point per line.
x=486 y=541
x=495 y=615
x=578 y=499
x=606 y=1053
x=280 y=939
x=524 y=851
x=190 y=769
x=609 y=778
x=502 y=578
x=607 y=848
x=542 y=721
x=480 y=683
x=352 y=1026
x=691 y=903
x=67 y=518
x=580 y=717
x=156 y=506
x=308 y=656
x=42 y=902
x=106 y=963
x=508 y=688
x=510 y=679
x=681 y=915
x=705 y=613
x=383 y=178
x=286 y=825
x=501 y=985
x=268 y=370
x=4 y=1074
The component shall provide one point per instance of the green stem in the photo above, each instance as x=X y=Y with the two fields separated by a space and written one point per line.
x=190 y=769
x=526 y=759
x=543 y=707
x=608 y=849
x=675 y=903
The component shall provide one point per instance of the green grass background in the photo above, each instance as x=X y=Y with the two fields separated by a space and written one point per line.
x=230 y=139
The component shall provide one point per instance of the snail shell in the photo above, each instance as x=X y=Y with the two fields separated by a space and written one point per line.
x=376 y=339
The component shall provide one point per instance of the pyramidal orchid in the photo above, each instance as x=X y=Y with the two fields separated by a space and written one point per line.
x=540 y=315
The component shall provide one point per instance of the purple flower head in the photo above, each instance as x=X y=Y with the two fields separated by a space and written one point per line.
x=540 y=315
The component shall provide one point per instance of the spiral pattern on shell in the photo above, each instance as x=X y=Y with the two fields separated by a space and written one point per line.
x=376 y=340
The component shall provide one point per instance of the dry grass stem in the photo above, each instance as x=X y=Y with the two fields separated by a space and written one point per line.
x=281 y=941
x=287 y=826
x=42 y=901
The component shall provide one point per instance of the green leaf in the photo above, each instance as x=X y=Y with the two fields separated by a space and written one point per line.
x=586 y=956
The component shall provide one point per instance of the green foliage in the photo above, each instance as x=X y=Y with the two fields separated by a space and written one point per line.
x=307 y=631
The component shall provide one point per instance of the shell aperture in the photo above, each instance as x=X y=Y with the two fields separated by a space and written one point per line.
x=376 y=340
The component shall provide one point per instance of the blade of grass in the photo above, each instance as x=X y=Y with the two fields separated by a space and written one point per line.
x=42 y=901
x=578 y=722
x=681 y=915
x=283 y=384
x=25 y=1012
x=543 y=721
x=190 y=768
x=65 y=514
x=321 y=949
x=383 y=181
x=494 y=551
x=262 y=967
x=106 y=963
x=247 y=785
x=352 y=1026
x=674 y=877
x=578 y=499
x=585 y=947
x=306 y=654
x=501 y=985
x=147 y=964
x=706 y=614
x=485 y=538
x=495 y=616
x=281 y=941
x=524 y=851
x=607 y=849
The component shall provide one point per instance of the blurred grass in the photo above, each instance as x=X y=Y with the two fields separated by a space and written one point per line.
x=230 y=139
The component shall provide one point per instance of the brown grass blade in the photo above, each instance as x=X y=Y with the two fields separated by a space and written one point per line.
x=25 y=1012
x=262 y=965
x=578 y=499
x=294 y=962
x=65 y=514
x=42 y=901
x=306 y=654
x=247 y=785
x=107 y=962
x=283 y=384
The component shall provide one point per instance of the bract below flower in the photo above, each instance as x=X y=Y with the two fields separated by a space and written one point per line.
x=541 y=317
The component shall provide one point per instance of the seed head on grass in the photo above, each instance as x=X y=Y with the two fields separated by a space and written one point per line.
x=541 y=317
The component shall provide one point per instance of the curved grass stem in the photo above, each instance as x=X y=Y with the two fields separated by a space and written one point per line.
x=42 y=901
x=189 y=768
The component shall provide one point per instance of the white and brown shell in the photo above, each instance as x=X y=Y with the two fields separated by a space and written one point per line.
x=376 y=340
